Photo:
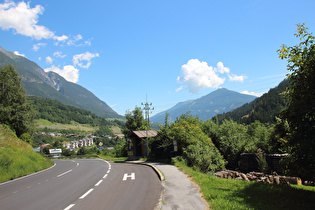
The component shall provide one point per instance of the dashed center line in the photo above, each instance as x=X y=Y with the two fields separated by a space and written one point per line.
x=98 y=183
x=69 y=207
x=64 y=173
x=90 y=190
x=85 y=194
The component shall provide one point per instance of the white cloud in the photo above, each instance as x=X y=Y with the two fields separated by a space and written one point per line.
x=237 y=78
x=49 y=60
x=59 y=55
x=221 y=68
x=37 y=46
x=17 y=53
x=80 y=59
x=23 y=20
x=197 y=75
x=74 y=40
x=180 y=88
x=69 y=72
x=252 y=93
x=61 y=38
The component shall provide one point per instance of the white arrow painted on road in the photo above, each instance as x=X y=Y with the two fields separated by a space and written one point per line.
x=132 y=176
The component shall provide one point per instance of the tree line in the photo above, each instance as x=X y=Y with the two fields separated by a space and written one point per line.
x=217 y=143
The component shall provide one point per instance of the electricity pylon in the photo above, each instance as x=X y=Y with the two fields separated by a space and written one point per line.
x=147 y=110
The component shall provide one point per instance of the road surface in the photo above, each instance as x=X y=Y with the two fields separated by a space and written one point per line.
x=84 y=184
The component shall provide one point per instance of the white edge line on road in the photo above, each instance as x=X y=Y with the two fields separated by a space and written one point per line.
x=108 y=171
x=105 y=176
x=69 y=207
x=64 y=173
x=85 y=194
x=98 y=183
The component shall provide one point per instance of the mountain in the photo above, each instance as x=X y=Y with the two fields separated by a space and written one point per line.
x=264 y=109
x=51 y=85
x=219 y=101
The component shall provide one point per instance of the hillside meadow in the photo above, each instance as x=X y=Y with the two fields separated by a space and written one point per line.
x=17 y=158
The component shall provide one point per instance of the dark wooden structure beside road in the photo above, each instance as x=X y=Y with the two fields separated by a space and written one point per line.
x=139 y=143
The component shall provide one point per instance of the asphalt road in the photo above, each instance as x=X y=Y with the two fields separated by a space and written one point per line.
x=84 y=184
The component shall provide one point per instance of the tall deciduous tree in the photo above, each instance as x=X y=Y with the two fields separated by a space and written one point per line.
x=300 y=112
x=135 y=122
x=15 y=110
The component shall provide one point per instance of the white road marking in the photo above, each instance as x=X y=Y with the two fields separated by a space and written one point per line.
x=64 y=173
x=85 y=194
x=69 y=207
x=132 y=176
x=105 y=176
x=78 y=164
x=98 y=183
x=108 y=171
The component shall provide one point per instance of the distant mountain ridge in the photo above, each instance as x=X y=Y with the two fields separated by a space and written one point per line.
x=51 y=85
x=217 y=102
x=264 y=109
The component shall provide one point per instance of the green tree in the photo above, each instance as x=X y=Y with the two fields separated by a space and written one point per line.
x=300 y=112
x=15 y=110
x=135 y=122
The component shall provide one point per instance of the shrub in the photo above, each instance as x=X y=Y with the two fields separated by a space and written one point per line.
x=203 y=157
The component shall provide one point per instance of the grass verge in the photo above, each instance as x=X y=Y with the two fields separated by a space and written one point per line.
x=17 y=158
x=237 y=194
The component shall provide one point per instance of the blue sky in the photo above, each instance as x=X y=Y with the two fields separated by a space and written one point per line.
x=170 y=51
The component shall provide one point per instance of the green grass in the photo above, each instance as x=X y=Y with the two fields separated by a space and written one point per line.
x=41 y=124
x=237 y=194
x=17 y=158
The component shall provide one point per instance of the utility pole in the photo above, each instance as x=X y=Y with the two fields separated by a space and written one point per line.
x=147 y=110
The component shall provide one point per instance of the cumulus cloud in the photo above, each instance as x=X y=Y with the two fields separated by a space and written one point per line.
x=69 y=72
x=61 y=38
x=221 y=68
x=197 y=75
x=23 y=20
x=49 y=60
x=84 y=60
x=237 y=78
x=252 y=93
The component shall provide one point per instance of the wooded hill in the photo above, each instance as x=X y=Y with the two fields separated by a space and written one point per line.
x=55 y=111
x=264 y=109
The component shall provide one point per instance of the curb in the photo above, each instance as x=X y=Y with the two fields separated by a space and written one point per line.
x=157 y=171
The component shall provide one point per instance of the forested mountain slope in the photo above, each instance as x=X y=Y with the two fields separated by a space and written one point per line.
x=51 y=85
x=264 y=109
x=219 y=101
